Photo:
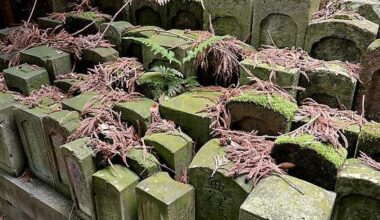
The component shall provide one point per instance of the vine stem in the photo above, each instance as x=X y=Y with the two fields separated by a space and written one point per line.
x=32 y=12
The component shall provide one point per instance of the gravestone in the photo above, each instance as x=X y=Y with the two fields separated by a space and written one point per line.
x=77 y=21
x=12 y=156
x=66 y=84
x=55 y=61
x=330 y=84
x=358 y=188
x=143 y=163
x=175 y=149
x=149 y=13
x=136 y=112
x=46 y=22
x=115 y=196
x=77 y=103
x=338 y=39
x=370 y=78
x=229 y=17
x=26 y=78
x=267 y=115
x=315 y=162
x=115 y=32
x=80 y=165
x=274 y=198
x=58 y=126
x=369 y=140
x=95 y=56
x=218 y=196
x=160 y=197
x=281 y=23
x=186 y=110
x=185 y=15
x=284 y=77
x=5 y=59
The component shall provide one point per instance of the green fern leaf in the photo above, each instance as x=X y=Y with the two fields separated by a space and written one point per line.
x=156 y=48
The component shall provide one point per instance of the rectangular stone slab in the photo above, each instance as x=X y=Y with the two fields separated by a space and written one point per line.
x=29 y=123
x=58 y=126
x=115 y=32
x=185 y=111
x=369 y=140
x=94 y=56
x=285 y=78
x=26 y=78
x=80 y=165
x=274 y=198
x=77 y=103
x=330 y=85
x=12 y=156
x=176 y=150
x=66 y=84
x=160 y=197
x=55 y=61
x=46 y=22
x=136 y=112
x=115 y=195
x=35 y=198
x=218 y=196
x=358 y=188
x=229 y=18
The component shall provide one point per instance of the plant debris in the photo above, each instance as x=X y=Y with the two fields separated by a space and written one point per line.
x=50 y=95
x=369 y=162
x=332 y=8
x=325 y=123
x=3 y=86
x=160 y=125
x=249 y=154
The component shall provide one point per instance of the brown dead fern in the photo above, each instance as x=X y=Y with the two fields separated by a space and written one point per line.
x=50 y=96
x=368 y=161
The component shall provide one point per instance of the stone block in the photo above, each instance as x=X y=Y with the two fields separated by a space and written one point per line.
x=78 y=21
x=370 y=77
x=218 y=196
x=136 y=112
x=274 y=198
x=58 y=126
x=283 y=23
x=115 y=32
x=4 y=32
x=10 y=211
x=26 y=78
x=315 y=162
x=330 y=85
x=186 y=112
x=230 y=18
x=66 y=84
x=358 y=188
x=143 y=163
x=115 y=196
x=149 y=13
x=80 y=165
x=55 y=61
x=5 y=59
x=77 y=103
x=12 y=156
x=174 y=149
x=160 y=197
x=46 y=22
x=173 y=43
x=284 y=77
x=185 y=15
x=30 y=126
x=35 y=199
x=111 y=7
x=369 y=140
x=94 y=56
x=267 y=115
x=338 y=39
x=132 y=48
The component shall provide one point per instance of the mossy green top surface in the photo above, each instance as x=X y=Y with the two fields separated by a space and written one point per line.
x=172 y=142
x=262 y=64
x=375 y=46
x=163 y=188
x=45 y=53
x=89 y=15
x=306 y=141
x=275 y=102
x=6 y=100
x=118 y=176
x=139 y=106
x=25 y=71
x=371 y=131
x=78 y=148
x=149 y=77
x=144 y=31
x=68 y=119
x=193 y=102
x=77 y=103
x=168 y=40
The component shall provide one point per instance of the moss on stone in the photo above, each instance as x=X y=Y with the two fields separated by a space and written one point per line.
x=369 y=139
x=274 y=102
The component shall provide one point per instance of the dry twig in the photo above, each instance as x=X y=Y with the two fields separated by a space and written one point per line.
x=368 y=161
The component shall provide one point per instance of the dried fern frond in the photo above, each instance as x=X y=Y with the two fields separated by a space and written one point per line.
x=325 y=123
x=249 y=154
x=58 y=16
x=331 y=8
x=3 y=86
x=51 y=94
x=160 y=125
x=368 y=161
